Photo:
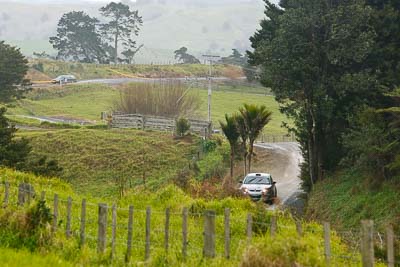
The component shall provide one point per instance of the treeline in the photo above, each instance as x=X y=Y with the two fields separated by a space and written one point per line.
x=83 y=38
x=334 y=67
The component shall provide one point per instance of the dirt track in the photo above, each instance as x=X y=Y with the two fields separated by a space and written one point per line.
x=282 y=161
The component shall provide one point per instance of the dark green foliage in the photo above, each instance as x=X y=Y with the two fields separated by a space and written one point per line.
x=44 y=167
x=182 y=126
x=208 y=145
x=255 y=118
x=13 y=152
x=235 y=59
x=314 y=55
x=373 y=144
x=13 y=68
x=123 y=25
x=38 y=67
x=78 y=38
x=182 y=55
x=385 y=57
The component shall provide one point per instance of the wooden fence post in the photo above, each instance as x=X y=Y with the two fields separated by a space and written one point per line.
x=390 y=246
x=209 y=234
x=6 y=194
x=148 y=220
x=299 y=228
x=29 y=192
x=113 y=230
x=102 y=229
x=249 y=229
x=327 y=243
x=184 y=232
x=21 y=194
x=83 y=223
x=55 y=213
x=130 y=233
x=166 y=231
x=68 y=222
x=367 y=243
x=227 y=231
x=273 y=226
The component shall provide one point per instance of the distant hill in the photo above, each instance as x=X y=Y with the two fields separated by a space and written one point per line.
x=203 y=26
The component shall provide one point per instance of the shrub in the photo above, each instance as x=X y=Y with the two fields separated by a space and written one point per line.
x=164 y=99
x=182 y=126
x=19 y=228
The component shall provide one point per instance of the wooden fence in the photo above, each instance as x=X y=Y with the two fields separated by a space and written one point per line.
x=284 y=138
x=207 y=224
x=144 y=122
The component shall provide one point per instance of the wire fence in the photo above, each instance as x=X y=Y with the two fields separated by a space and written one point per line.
x=129 y=233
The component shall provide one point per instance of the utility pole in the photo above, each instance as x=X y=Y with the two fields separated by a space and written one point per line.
x=210 y=59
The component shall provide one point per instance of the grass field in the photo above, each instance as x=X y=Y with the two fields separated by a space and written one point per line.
x=88 y=101
x=286 y=248
x=93 y=160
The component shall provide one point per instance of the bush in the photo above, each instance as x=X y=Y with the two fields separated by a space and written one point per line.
x=165 y=99
x=182 y=126
x=28 y=229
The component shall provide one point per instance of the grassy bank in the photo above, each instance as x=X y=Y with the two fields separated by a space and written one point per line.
x=285 y=249
x=347 y=198
x=95 y=160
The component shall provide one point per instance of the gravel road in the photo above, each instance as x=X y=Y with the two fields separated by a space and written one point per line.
x=282 y=161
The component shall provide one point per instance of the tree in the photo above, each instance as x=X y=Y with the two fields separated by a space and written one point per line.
x=236 y=58
x=13 y=68
x=130 y=54
x=255 y=118
x=13 y=152
x=78 y=39
x=231 y=132
x=385 y=57
x=313 y=54
x=244 y=136
x=182 y=55
x=123 y=25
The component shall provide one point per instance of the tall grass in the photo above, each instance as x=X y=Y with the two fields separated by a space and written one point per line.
x=169 y=99
x=285 y=249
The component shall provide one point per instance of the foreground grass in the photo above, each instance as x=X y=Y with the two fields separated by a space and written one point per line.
x=94 y=160
x=24 y=258
x=285 y=249
x=88 y=101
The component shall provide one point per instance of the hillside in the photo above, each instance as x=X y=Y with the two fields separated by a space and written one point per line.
x=285 y=249
x=97 y=161
x=211 y=26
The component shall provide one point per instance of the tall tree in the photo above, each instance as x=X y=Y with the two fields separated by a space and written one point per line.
x=182 y=55
x=13 y=152
x=130 y=54
x=236 y=58
x=78 y=39
x=13 y=68
x=255 y=119
x=313 y=54
x=384 y=59
x=122 y=26
x=232 y=134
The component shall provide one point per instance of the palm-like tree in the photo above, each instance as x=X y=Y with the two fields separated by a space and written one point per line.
x=231 y=132
x=255 y=118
